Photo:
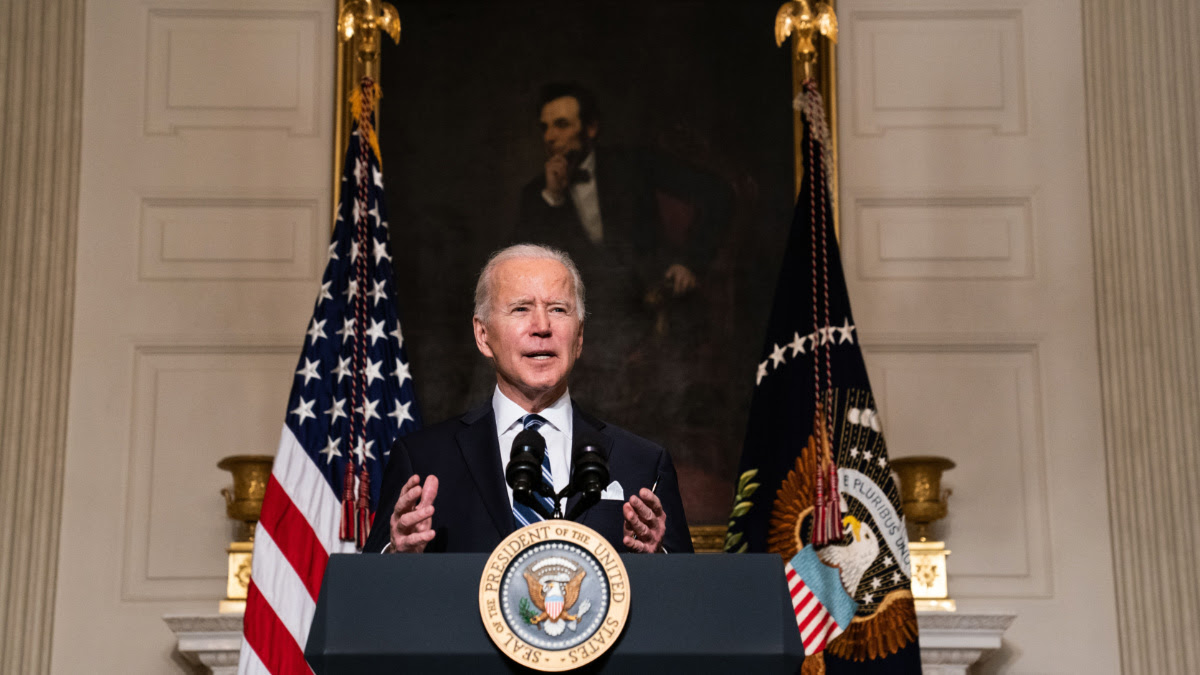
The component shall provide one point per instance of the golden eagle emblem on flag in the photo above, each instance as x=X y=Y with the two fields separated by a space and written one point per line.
x=870 y=573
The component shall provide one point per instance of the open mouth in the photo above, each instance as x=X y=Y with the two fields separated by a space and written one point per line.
x=540 y=356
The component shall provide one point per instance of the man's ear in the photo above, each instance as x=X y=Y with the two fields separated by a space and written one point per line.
x=480 y=329
x=579 y=342
x=592 y=130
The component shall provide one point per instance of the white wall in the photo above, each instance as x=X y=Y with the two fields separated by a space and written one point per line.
x=204 y=220
x=204 y=202
x=966 y=242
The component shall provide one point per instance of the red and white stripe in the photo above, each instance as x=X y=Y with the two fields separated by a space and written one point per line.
x=816 y=624
x=292 y=543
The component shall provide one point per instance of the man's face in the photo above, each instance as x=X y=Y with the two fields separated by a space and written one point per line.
x=533 y=334
x=562 y=131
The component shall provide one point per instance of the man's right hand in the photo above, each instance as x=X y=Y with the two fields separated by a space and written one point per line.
x=412 y=521
x=557 y=169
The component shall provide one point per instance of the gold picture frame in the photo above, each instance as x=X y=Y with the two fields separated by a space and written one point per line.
x=349 y=69
x=707 y=534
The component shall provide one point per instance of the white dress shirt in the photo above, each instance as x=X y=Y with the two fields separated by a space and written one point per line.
x=586 y=199
x=557 y=431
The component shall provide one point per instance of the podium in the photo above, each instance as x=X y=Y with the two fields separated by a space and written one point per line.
x=691 y=614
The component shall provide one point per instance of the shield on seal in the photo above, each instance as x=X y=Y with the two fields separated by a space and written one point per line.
x=554 y=603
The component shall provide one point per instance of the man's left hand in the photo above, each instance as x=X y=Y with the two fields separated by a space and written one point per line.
x=679 y=279
x=645 y=523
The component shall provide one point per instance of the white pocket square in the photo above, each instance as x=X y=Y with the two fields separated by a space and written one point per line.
x=613 y=491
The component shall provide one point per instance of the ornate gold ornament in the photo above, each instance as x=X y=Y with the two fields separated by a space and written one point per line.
x=924 y=502
x=359 y=23
x=554 y=596
x=365 y=19
x=921 y=493
x=243 y=504
x=797 y=19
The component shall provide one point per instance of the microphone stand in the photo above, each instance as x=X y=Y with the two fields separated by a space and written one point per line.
x=527 y=498
x=589 y=484
x=587 y=500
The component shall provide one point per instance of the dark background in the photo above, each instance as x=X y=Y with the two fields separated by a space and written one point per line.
x=702 y=81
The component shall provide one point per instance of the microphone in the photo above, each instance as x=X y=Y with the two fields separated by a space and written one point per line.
x=591 y=470
x=589 y=476
x=524 y=470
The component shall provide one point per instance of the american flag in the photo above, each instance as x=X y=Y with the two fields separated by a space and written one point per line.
x=352 y=395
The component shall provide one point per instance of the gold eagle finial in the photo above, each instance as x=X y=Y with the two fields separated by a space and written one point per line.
x=797 y=17
x=364 y=19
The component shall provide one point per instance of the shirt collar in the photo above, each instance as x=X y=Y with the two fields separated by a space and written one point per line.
x=589 y=163
x=508 y=413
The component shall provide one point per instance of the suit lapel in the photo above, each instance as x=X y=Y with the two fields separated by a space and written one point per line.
x=586 y=426
x=481 y=451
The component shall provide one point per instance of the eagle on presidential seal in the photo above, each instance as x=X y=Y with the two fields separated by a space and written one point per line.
x=554 y=589
x=885 y=620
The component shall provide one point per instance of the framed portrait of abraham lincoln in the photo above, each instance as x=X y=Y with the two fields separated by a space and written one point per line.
x=653 y=141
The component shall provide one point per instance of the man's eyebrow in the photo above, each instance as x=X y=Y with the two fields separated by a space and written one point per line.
x=520 y=301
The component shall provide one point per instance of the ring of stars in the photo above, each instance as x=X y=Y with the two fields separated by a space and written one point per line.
x=801 y=344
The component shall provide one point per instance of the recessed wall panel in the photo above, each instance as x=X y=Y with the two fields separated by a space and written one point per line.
x=185 y=238
x=938 y=68
x=958 y=237
x=229 y=69
x=192 y=407
x=979 y=406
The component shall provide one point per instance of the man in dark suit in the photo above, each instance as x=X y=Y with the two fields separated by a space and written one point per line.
x=528 y=322
x=604 y=205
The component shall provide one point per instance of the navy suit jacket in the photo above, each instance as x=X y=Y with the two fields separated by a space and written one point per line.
x=472 y=512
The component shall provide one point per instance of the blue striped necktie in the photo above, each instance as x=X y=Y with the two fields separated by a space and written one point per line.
x=524 y=514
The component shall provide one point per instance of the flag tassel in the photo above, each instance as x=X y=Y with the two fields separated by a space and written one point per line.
x=363 y=508
x=827 y=512
x=346 y=532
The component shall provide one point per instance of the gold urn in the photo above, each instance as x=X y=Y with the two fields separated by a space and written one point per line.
x=924 y=501
x=243 y=504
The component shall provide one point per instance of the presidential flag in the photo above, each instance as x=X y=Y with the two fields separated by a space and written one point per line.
x=814 y=483
x=352 y=395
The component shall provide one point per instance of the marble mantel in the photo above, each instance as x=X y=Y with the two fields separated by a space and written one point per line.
x=950 y=641
x=210 y=640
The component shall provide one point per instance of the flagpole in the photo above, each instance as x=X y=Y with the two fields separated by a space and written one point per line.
x=812 y=61
x=358 y=25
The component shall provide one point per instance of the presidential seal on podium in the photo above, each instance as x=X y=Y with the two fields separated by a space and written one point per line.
x=554 y=596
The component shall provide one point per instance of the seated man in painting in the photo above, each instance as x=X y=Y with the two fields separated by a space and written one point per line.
x=642 y=225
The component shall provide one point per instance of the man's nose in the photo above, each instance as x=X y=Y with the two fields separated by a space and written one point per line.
x=540 y=322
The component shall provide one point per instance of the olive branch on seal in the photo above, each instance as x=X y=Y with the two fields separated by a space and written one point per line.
x=526 y=611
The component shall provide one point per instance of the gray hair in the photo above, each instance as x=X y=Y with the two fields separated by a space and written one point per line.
x=483 y=288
